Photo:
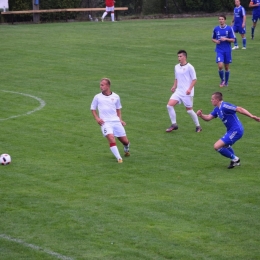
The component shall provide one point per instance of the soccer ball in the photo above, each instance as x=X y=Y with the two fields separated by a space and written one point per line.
x=5 y=159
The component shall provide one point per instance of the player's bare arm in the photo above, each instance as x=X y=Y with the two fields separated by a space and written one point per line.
x=243 y=111
x=204 y=117
x=191 y=86
x=174 y=85
x=99 y=120
x=118 y=111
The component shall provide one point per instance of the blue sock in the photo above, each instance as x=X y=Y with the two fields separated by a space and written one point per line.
x=232 y=152
x=252 y=30
x=221 y=74
x=235 y=42
x=244 y=42
x=227 y=73
x=226 y=152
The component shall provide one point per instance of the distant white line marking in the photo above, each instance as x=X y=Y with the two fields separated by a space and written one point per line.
x=42 y=104
x=37 y=248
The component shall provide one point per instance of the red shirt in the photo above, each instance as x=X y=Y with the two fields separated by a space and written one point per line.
x=109 y=3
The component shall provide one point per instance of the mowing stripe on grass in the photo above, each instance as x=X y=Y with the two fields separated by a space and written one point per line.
x=37 y=248
x=42 y=104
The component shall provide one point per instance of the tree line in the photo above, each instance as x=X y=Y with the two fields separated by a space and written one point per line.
x=136 y=7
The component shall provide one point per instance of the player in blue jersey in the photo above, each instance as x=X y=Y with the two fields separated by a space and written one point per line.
x=223 y=35
x=239 y=24
x=255 y=4
x=227 y=113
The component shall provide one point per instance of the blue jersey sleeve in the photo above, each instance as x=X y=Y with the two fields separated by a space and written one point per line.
x=215 y=112
x=228 y=108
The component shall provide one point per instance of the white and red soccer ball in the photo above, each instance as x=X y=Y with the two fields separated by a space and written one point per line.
x=5 y=159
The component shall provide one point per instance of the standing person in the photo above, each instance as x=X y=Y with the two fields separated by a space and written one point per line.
x=183 y=91
x=110 y=118
x=239 y=24
x=255 y=4
x=227 y=113
x=109 y=9
x=223 y=35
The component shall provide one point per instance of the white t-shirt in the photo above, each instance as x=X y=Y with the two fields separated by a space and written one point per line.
x=184 y=75
x=107 y=106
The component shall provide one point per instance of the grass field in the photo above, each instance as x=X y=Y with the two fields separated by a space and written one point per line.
x=64 y=196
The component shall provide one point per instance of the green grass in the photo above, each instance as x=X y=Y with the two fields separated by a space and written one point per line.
x=173 y=198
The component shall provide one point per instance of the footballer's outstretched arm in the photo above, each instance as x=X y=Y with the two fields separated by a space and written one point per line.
x=204 y=117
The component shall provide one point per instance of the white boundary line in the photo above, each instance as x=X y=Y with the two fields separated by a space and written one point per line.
x=42 y=104
x=37 y=248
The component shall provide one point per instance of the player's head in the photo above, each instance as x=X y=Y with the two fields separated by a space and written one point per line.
x=237 y=3
x=222 y=19
x=106 y=80
x=216 y=98
x=182 y=52
x=105 y=84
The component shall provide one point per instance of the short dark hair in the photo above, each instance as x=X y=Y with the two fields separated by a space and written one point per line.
x=182 y=51
x=218 y=95
x=222 y=15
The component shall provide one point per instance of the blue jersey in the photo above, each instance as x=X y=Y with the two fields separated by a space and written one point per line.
x=227 y=113
x=227 y=32
x=256 y=9
x=239 y=13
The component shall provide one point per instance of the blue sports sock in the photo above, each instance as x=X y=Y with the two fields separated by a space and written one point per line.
x=227 y=73
x=221 y=74
x=232 y=152
x=235 y=42
x=252 y=30
x=225 y=152
x=244 y=42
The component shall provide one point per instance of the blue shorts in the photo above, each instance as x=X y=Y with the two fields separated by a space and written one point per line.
x=255 y=17
x=225 y=57
x=231 y=137
x=239 y=29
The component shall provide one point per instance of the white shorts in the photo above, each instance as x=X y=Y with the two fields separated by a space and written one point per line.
x=115 y=128
x=186 y=100
x=110 y=9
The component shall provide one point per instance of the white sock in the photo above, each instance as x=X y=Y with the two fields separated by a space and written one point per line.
x=115 y=151
x=172 y=114
x=104 y=15
x=112 y=17
x=194 y=117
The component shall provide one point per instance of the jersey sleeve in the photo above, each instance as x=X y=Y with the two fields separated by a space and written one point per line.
x=118 y=103
x=229 y=108
x=214 y=34
x=192 y=73
x=231 y=33
x=94 y=103
x=214 y=112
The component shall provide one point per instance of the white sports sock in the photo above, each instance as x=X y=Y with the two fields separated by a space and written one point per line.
x=112 y=17
x=115 y=151
x=172 y=114
x=194 y=117
x=104 y=15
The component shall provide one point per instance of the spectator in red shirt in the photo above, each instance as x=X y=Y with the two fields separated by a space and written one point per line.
x=109 y=9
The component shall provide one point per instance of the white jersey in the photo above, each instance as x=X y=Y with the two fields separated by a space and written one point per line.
x=184 y=75
x=107 y=106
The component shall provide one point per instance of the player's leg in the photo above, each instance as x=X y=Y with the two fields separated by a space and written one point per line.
x=124 y=140
x=188 y=103
x=112 y=16
x=107 y=130
x=227 y=61
x=104 y=15
x=173 y=101
x=119 y=132
x=235 y=29
x=243 y=36
x=223 y=146
x=220 y=62
x=254 y=20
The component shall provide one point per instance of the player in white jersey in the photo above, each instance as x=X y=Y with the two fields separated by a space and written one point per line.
x=109 y=118
x=183 y=91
